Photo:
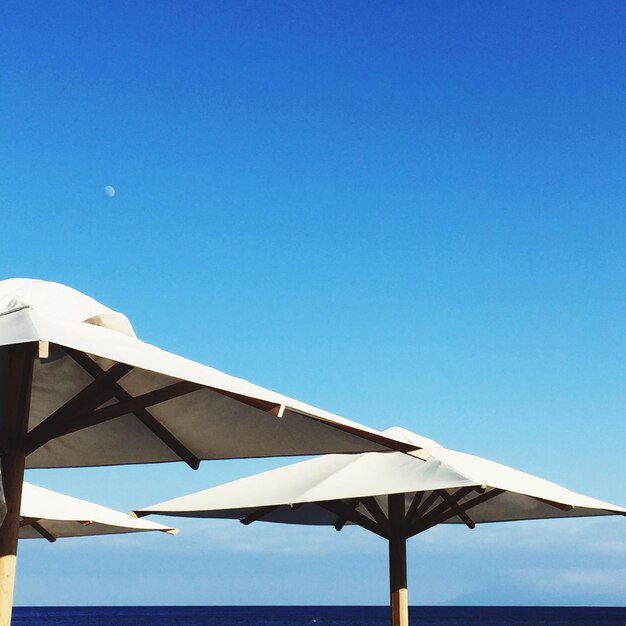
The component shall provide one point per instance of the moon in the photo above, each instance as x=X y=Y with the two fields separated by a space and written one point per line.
x=109 y=191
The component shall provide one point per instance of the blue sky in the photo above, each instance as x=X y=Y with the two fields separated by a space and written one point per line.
x=407 y=213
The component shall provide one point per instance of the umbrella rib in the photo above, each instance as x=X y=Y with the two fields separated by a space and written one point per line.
x=43 y=532
x=556 y=505
x=259 y=513
x=466 y=506
x=339 y=508
x=110 y=412
x=142 y=401
x=415 y=502
x=433 y=514
x=421 y=510
x=93 y=395
x=258 y=403
x=27 y=521
x=373 y=508
x=90 y=366
x=461 y=514
x=341 y=520
x=390 y=444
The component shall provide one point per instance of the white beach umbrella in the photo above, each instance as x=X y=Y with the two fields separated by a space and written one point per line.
x=50 y=515
x=394 y=495
x=77 y=388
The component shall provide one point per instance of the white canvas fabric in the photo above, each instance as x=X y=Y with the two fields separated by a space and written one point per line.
x=59 y=515
x=296 y=488
x=227 y=418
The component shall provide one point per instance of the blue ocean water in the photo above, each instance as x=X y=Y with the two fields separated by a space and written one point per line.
x=316 y=616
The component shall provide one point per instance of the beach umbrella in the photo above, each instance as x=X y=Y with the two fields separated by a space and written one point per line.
x=78 y=388
x=394 y=495
x=50 y=515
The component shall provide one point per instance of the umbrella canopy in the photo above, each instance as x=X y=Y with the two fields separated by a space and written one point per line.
x=144 y=404
x=394 y=495
x=49 y=515
x=77 y=388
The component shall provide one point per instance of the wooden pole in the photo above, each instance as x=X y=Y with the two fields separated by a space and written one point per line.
x=18 y=375
x=397 y=562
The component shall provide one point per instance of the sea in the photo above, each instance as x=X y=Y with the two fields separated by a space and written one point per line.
x=316 y=616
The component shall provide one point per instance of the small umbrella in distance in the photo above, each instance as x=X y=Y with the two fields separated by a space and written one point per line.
x=394 y=495
x=50 y=515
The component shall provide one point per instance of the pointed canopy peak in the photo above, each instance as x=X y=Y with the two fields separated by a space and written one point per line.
x=60 y=301
x=402 y=434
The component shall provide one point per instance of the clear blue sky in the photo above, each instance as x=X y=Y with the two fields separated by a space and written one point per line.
x=406 y=213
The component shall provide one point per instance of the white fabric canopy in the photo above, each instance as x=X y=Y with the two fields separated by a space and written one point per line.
x=161 y=407
x=50 y=515
x=293 y=494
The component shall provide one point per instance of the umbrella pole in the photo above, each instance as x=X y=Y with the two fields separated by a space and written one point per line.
x=18 y=380
x=397 y=577
x=397 y=563
x=12 y=477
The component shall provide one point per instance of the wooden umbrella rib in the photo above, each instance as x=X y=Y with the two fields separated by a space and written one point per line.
x=461 y=514
x=167 y=438
x=427 y=520
x=552 y=503
x=93 y=395
x=143 y=401
x=470 y=504
x=342 y=519
x=259 y=513
x=43 y=532
x=374 y=509
x=267 y=406
x=382 y=440
x=421 y=509
x=258 y=403
x=113 y=411
x=27 y=521
x=149 y=421
x=444 y=516
x=339 y=508
x=415 y=502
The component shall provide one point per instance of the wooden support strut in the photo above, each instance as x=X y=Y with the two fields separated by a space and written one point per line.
x=341 y=509
x=14 y=424
x=259 y=513
x=552 y=503
x=35 y=524
x=416 y=512
x=460 y=513
x=92 y=368
x=43 y=532
x=415 y=502
x=374 y=509
x=36 y=438
x=434 y=516
x=440 y=515
x=61 y=421
x=342 y=519
x=377 y=438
